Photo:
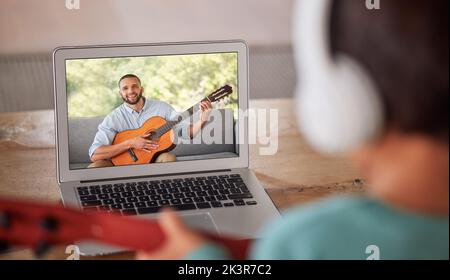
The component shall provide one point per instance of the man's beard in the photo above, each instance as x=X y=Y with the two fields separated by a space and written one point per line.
x=138 y=98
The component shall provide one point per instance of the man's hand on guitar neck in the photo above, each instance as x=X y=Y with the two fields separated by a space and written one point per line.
x=139 y=142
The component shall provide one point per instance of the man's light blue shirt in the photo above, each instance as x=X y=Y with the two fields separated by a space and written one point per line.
x=125 y=118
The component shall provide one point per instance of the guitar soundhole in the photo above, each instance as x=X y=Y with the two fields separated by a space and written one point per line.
x=153 y=136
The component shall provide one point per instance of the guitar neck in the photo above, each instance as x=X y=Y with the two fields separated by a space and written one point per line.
x=170 y=124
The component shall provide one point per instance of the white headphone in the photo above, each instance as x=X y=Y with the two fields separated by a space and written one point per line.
x=339 y=108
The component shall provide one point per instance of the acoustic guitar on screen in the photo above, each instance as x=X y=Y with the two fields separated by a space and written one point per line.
x=39 y=226
x=159 y=130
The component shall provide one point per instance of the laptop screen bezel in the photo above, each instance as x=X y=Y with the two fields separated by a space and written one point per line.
x=61 y=54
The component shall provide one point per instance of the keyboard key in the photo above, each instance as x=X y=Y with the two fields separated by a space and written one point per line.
x=140 y=204
x=212 y=192
x=210 y=198
x=103 y=196
x=235 y=180
x=144 y=198
x=152 y=203
x=120 y=200
x=116 y=206
x=142 y=188
x=178 y=195
x=202 y=193
x=239 y=202
x=185 y=189
x=118 y=189
x=167 y=196
x=173 y=190
x=175 y=201
x=235 y=175
x=115 y=195
x=155 y=197
x=224 y=191
x=228 y=204
x=190 y=194
x=91 y=203
x=108 y=201
x=164 y=202
x=148 y=210
x=199 y=199
x=190 y=206
x=95 y=191
x=130 y=188
x=221 y=197
x=216 y=204
x=150 y=192
x=187 y=200
x=88 y=197
x=107 y=190
x=240 y=196
x=161 y=191
x=132 y=199
x=138 y=193
x=251 y=202
x=203 y=205
x=128 y=205
x=127 y=194
x=235 y=190
x=83 y=192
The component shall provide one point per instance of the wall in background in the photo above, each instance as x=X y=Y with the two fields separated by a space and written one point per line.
x=41 y=25
x=30 y=30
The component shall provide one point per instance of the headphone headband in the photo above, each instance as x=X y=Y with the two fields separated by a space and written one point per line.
x=338 y=104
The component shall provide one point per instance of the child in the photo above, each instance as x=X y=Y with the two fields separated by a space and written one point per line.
x=404 y=48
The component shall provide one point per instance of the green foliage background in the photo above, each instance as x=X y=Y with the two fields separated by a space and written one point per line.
x=180 y=80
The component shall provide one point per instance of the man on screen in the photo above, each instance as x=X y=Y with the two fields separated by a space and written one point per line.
x=134 y=111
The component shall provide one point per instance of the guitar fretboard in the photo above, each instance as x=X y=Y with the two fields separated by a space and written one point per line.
x=170 y=124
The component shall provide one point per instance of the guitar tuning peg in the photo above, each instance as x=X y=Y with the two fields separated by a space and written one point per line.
x=42 y=247
x=5 y=220
x=49 y=223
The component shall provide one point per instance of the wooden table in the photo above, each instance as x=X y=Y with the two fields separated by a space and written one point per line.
x=294 y=175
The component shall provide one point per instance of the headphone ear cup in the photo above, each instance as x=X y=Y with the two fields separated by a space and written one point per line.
x=340 y=110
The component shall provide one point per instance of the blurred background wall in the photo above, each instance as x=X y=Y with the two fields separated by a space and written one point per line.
x=31 y=29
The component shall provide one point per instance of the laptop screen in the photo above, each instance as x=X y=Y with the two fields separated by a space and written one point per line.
x=151 y=109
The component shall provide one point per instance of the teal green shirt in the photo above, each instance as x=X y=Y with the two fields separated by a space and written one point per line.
x=346 y=228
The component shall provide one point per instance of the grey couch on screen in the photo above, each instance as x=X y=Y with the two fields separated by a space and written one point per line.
x=83 y=130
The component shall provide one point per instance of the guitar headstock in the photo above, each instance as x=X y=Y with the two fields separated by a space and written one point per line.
x=38 y=226
x=221 y=93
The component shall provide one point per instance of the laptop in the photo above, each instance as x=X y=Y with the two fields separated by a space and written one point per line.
x=208 y=182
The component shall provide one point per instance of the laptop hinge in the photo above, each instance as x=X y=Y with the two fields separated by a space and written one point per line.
x=152 y=176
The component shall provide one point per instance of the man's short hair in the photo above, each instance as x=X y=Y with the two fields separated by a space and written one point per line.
x=129 y=76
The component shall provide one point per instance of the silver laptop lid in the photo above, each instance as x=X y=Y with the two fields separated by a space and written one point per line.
x=175 y=74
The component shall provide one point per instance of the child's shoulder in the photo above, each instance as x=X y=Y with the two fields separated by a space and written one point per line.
x=312 y=224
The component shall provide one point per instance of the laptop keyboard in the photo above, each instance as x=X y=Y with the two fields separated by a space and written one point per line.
x=148 y=197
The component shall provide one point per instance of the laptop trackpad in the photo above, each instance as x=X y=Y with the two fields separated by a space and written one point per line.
x=203 y=221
